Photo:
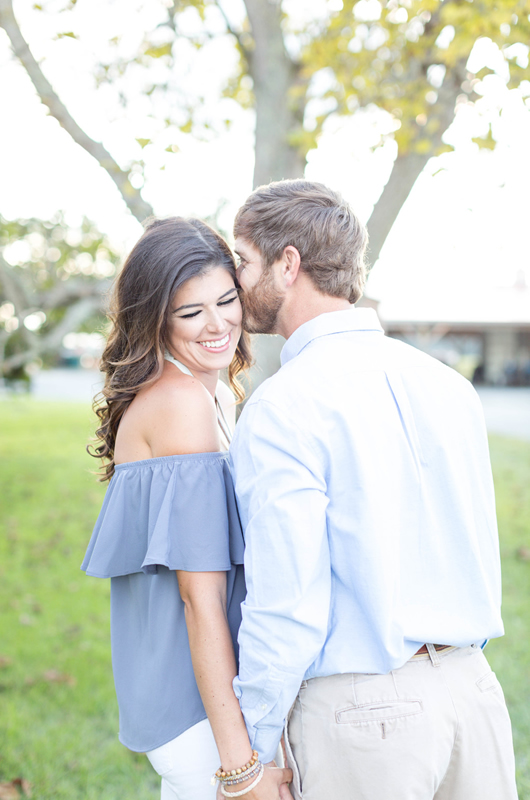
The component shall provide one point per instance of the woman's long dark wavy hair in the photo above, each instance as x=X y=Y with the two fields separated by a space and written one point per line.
x=170 y=252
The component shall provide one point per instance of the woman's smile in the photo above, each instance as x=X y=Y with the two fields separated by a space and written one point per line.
x=206 y=321
x=219 y=345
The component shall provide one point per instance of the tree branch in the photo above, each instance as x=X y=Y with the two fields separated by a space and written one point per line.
x=405 y=172
x=71 y=290
x=76 y=314
x=408 y=167
x=132 y=197
x=14 y=289
x=15 y=293
x=74 y=317
x=236 y=34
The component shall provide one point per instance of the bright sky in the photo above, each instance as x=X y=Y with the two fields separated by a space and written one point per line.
x=464 y=224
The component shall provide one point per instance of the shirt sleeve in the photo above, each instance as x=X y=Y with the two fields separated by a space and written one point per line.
x=281 y=490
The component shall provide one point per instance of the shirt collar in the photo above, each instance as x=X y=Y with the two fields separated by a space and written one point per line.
x=351 y=319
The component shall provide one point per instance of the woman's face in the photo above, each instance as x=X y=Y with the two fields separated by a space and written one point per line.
x=205 y=321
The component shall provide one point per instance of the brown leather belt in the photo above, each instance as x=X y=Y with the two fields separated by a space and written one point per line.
x=423 y=648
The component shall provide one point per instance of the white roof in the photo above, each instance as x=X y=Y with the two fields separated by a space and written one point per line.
x=434 y=297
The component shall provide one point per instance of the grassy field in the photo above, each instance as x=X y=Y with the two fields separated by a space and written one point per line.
x=58 y=717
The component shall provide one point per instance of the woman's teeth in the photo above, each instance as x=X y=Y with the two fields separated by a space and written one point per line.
x=218 y=343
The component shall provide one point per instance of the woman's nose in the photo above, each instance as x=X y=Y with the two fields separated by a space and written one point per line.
x=216 y=321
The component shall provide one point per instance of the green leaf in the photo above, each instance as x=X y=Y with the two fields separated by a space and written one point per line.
x=483 y=72
x=156 y=51
x=485 y=142
x=443 y=148
x=143 y=142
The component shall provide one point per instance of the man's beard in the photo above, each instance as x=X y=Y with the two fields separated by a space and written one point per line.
x=261 y=305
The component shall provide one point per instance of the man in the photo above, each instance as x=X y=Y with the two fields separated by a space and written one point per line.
x=363 y=477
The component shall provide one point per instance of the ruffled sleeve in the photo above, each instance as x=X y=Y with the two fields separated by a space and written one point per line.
x=178 y=512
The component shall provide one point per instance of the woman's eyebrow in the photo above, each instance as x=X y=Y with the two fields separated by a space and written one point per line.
x=233 y=289
x=190 y=305
x=196 y=305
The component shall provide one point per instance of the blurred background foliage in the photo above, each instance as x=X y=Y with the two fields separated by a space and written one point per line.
x=53 y=280
x=296 y=67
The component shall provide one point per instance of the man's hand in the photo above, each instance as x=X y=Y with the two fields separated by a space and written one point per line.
x=273 y=785
x=285 y=794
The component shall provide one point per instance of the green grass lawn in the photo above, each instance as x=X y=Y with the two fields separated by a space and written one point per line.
x=58 y=716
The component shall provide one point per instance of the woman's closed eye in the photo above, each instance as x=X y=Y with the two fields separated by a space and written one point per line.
x=220 y=303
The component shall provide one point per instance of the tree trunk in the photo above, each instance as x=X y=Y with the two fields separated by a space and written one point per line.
x=132 y=197
x=277 y=114
x=408 y=167
x=404 y=174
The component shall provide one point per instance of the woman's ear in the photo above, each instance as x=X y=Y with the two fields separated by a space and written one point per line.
x=290 y=265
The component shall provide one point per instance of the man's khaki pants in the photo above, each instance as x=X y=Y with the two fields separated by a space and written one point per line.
x=435 y=729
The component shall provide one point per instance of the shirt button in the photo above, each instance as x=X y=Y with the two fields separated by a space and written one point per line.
x=264 y=706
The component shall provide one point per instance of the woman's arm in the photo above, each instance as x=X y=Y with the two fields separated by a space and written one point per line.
x=204 y=597
x=214 y=664
x=177 y=415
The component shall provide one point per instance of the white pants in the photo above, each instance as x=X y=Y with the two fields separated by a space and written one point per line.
x=186 y=764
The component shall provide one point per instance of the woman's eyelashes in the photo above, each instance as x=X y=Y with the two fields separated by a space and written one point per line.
x=221 y=303
x=227 y=302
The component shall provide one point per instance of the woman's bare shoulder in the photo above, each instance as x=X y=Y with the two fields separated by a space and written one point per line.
x=176 y=415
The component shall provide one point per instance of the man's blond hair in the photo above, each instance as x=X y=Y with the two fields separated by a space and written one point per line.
x=318 y=222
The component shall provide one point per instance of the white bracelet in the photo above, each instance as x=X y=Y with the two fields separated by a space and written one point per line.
x=248 y=788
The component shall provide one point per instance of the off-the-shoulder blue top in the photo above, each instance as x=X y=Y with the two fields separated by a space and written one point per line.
x=160 y=515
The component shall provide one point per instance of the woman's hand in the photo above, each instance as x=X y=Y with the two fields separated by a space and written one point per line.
x=273 y=785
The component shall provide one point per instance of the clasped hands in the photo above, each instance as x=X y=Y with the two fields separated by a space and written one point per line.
x=273 y=785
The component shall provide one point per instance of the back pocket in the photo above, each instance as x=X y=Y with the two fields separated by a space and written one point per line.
x=488 y=682
x=382 y=711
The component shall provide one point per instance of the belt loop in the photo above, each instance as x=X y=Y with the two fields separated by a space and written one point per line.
x=435 y=658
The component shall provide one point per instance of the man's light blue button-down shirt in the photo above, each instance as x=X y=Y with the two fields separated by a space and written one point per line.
x=364 y=484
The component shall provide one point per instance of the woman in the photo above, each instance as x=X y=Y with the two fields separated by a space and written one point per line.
x=168 y=534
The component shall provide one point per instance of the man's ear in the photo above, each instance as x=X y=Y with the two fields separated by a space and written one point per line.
x=290 y=265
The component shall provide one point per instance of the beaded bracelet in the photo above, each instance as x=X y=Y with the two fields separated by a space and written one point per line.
x=245 y=776
x=247 y=789
x=223 y=776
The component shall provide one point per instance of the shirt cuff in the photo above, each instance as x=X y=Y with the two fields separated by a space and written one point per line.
x=264 y=705
x=266 y=743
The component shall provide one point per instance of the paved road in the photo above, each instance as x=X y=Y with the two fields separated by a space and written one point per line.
x=507 y=410
x=67 y=384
